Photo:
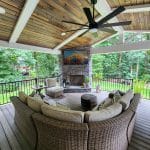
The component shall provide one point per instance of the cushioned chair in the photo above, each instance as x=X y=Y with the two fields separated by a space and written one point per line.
x=53 y=89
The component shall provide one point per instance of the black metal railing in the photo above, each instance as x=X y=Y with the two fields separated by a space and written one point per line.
x=9 y=89
x=110 y=84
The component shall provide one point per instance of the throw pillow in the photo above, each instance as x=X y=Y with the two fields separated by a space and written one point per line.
x=51 y=82
x=103 y=114
x=35 y=103
x=117 y=96
x=125 y=100
x=107 y=102
x=23 y=97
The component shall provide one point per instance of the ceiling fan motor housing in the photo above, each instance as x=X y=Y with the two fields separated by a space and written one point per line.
x=94 y=1
x=93 y=25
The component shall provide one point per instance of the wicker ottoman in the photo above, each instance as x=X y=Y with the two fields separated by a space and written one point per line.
x=88 y=101
x=54 y=91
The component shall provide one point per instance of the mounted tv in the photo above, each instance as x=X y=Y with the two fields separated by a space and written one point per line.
x=75 y=57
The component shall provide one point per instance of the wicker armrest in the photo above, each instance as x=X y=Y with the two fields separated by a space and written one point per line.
x=59 y=134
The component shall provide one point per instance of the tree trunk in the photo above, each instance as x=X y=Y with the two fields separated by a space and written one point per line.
x=137 y=69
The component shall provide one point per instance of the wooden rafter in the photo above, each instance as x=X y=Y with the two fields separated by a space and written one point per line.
x=143 y=45
x=26 y=13
x=6 y=44
x=137 y=8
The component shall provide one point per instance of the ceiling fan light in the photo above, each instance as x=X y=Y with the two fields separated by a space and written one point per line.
x=63 y=34
x=93 y=30
x=2 y=10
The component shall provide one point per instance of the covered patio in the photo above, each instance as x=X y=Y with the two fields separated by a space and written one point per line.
x=39 y=26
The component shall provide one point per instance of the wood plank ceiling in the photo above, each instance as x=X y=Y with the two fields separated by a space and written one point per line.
x=140 y=21
x=44 y=28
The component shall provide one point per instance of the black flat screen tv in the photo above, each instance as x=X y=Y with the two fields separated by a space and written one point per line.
x=75 y=57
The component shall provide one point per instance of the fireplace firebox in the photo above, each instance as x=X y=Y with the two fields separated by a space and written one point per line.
x=76 y=80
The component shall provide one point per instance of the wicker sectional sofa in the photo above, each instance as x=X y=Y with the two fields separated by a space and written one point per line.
x=45 y=133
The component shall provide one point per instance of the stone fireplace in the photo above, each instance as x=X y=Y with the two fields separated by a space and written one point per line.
x=75 y=74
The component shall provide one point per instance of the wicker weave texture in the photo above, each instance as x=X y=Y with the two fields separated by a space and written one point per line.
x=24 y=121
x=115 y=133
x=59 y=135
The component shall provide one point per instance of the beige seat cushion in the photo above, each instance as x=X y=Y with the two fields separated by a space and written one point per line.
x=103 y=114
x=125 y=99
x=23 y=97
x=35 y=103
x=62 y=114
x=51 y=82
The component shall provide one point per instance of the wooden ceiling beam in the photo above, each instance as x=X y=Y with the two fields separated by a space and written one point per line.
x=104 y=9
x=25 y=15
x=143 y=45
x=6 y=44
x=137 y=8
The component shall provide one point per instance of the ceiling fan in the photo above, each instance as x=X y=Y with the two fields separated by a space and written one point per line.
x=102 y=25
x=2 y=10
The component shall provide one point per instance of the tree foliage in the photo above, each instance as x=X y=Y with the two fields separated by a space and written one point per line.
x=13 y=62
x=134 y=64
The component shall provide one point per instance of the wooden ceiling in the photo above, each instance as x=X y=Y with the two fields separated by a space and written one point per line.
x=44 y=28
x=140 y=21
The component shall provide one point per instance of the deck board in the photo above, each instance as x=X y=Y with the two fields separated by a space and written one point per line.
x=12 y=139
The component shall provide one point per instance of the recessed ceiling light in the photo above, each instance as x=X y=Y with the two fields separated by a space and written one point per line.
x=2 y=10
x=63 y=34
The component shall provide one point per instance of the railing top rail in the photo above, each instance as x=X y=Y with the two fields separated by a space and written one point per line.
x=38 y=78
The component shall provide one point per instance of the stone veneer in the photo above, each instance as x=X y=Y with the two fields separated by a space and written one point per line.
x=85 y=70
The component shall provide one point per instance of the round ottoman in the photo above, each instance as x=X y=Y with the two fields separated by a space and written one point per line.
x=88 y=101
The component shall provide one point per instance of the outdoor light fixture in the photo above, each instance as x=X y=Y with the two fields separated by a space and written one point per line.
x=63 y=34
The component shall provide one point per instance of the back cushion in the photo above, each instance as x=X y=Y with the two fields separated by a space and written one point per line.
x=35 y=103
x=125 y=99
x=62 y=114
x=23 y=97
x=51 y=82
x=103 y=114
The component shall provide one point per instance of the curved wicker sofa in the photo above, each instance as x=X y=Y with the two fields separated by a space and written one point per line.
x=50 y=134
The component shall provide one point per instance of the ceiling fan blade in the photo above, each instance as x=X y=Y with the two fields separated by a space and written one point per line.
x=116 y=24
x=107 y=30
x=75 y=23
x=88 y=15
x=75 y=29
x=111 y=15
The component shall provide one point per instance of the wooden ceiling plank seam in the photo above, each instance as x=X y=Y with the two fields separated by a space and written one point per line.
x=13 y=3
x=41 y=35
x=26 y=13
x=61 y=9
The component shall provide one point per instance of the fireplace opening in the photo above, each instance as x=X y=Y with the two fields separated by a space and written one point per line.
x=76 y=80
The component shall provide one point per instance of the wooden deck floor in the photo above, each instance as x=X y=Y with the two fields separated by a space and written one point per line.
x=12 y=139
